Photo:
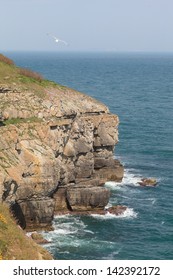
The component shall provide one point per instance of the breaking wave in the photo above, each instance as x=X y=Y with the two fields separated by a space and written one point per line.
x=129 y=179
x=127 y=214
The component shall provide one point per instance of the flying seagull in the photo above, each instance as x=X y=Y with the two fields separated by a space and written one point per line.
x=57 y=40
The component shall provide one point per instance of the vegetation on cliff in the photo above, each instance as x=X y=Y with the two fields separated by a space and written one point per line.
x=14 y=244
x=16 y=79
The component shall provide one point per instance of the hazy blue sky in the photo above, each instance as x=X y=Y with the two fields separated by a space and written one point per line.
x=87 y=25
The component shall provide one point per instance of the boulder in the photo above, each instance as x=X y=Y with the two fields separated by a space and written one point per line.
x=38 y=238
x=116 y=210
x=148 y=182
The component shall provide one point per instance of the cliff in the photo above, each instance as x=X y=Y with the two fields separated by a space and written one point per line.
x=56 y=148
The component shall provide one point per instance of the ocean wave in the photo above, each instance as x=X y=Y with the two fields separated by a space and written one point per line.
x=113 y=185
x=65 y=231
x=129 y=179
x=145 y=200
x=68 y=221
x=127 y=214
x=68 y=226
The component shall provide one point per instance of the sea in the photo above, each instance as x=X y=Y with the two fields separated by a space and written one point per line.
x=138 y=87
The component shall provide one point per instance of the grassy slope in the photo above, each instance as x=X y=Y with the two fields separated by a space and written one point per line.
x=14 y=244
x=11 y=75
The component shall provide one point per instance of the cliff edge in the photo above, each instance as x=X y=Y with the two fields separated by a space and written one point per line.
x=56 y=148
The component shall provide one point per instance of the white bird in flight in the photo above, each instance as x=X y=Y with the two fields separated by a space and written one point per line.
x=57 y=40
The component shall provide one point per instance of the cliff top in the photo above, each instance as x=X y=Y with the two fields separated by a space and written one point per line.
x=26 y=95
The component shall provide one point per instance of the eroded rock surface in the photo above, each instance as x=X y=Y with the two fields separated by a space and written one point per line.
x=56 y=152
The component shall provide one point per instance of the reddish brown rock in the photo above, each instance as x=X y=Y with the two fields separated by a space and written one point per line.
x=117 y=210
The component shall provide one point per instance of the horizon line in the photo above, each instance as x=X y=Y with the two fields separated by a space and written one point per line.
x=91 y=51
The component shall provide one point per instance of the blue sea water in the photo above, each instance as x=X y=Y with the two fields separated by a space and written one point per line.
x=138 y=87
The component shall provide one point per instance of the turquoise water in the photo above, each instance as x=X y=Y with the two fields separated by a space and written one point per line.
x=139 y=89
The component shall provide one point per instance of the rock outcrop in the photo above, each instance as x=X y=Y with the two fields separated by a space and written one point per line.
x=148 y=182
x=56 y=151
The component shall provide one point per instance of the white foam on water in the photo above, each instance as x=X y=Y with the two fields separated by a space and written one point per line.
x=64 y=231
x=66 y=225
x=129 y=179
x=59 y=217
x=108 y=205
x=132 y=179
x=128 y=214
x=113 y=185
x=68 y=221
x=89 y=231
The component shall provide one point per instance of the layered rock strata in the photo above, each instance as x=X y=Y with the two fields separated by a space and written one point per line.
x=56 y=153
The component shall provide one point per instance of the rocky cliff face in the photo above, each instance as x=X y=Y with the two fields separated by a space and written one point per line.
x=56 y=151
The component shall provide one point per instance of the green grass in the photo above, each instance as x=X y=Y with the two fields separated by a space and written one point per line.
x=19 y=120
x=12 y=75
x=14 y=244
x=3 y=244
x=7 y=73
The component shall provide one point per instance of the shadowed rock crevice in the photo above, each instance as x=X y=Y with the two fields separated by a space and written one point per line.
x=18 y=214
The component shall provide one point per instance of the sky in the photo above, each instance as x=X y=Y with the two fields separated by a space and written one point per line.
x=87 y=25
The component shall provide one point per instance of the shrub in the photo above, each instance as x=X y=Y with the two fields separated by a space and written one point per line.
x=2 y=219
x=30 y=74
x=6 y=60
